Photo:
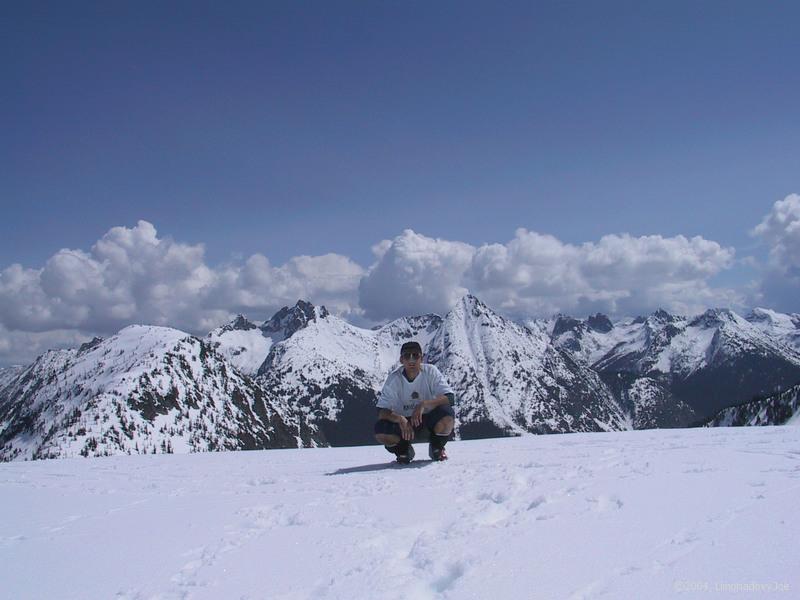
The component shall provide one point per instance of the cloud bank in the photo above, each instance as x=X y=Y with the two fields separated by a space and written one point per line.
x=414 y=274
x=134 y=275
x=538 y=275
x=780 y=231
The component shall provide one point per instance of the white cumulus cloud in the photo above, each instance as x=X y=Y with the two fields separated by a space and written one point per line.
x=258 y=286
x=536 y=274
x=133 y=275
x=780 y=230
x=414 y=274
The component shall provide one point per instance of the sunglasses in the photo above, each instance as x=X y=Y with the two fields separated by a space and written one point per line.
x=410 y=355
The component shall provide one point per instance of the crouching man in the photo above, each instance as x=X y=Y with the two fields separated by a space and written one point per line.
x=416 y=396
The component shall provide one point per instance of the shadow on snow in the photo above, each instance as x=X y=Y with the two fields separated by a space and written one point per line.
x=381 y=467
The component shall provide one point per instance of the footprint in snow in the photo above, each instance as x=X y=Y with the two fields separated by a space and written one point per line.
x=605 y=503
x=536 y=502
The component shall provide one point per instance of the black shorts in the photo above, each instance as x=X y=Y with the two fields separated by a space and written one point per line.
x=429 y=421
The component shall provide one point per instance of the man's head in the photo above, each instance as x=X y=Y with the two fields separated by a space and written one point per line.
x=411 y=357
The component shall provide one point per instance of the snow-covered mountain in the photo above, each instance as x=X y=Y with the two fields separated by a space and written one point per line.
x=9 y=374
x=246 y=345
x=146 y=389
x=779 y=326
x=242 y=343
x=328 y=372
x=510 y=379
x=782 y=408
x=308 y=377
x=674 y=370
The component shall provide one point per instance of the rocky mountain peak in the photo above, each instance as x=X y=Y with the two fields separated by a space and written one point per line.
x=600 y=323
x=565 y=324
x=771 y=317
x=287 y=321
x=472 y=305
x=94 y=343
x=407 y=328
x=713 y=317
x=241 y=323
x=471 y=309
x=761 y=315
x=663 y=316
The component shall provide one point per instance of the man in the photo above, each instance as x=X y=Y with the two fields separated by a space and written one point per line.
x=415 y=396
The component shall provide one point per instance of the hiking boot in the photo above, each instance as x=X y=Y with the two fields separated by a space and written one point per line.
x=436 y=453
x=405 y=455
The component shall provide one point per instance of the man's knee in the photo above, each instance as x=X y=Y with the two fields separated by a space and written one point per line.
x=387 y=439
x=387 y=432
x=444 y=426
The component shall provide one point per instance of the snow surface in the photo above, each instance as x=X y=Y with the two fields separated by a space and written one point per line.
x=245 y=350
x=645 y=514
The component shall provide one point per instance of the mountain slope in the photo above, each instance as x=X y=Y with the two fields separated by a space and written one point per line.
x=329 y=373
x=779 y=409
x=242 y=343
x=779 y=326
x=675 y=370
x=308 y=377
x=146 y=389
x=510 y=379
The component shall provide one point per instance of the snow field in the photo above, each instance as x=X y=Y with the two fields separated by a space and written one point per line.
x=645 y=514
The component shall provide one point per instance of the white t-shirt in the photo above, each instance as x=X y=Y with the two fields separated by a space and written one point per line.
x=402 y=396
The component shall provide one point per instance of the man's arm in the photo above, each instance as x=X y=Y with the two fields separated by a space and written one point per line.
x=389 y=415
x=405 y=427
x=440 y=400
x=443 y=387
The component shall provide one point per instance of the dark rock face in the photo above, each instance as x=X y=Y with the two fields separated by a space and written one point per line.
x=287 y=321
x=90 y=345
x=600 y=323
x=564 y=324
x=240 y=323
x=649 y=400
x=776 y=409
x=346 y=419
x=734 y=380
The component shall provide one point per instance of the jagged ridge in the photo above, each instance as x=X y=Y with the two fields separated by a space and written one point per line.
x=146 y=389
x=308 y=377
x=778 y=409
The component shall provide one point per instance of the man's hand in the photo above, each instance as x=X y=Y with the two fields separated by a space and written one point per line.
x=416 y=418
x=406 y=429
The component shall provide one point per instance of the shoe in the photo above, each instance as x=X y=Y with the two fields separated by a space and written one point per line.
x=406 y=456
x=436 y=453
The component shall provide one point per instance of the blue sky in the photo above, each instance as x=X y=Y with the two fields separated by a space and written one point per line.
x=306 y=128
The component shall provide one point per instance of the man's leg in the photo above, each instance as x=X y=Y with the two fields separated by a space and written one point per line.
x=387 y=439
x=445 y=426
x=439 y=423
x=389 y=434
